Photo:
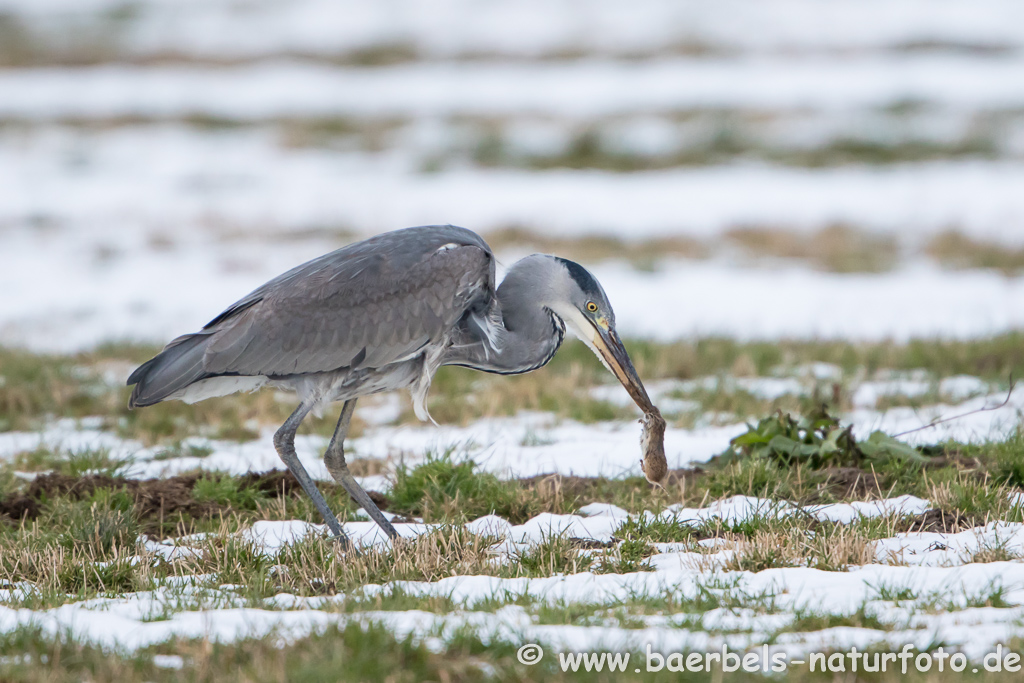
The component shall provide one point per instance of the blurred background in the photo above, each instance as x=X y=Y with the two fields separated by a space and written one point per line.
x=759 y=170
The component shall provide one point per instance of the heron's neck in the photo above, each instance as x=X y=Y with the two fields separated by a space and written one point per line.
x=529 y=341
x=530 y=333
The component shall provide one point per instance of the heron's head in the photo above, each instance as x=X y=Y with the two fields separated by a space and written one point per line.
x=580 y=301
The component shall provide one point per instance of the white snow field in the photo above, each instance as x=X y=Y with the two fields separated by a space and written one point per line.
x=198 y=29
x=165 y=180
x=598 y=88
x=159 y=157
x=151 y=184
x=153 y=296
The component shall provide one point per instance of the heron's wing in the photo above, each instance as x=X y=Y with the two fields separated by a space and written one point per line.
x=364 y=306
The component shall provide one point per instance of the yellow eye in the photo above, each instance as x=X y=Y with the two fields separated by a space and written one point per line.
x=592 y=307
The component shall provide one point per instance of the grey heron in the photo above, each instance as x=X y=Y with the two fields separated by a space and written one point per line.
x=385 y=314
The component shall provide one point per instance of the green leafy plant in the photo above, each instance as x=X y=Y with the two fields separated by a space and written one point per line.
x=818 y=440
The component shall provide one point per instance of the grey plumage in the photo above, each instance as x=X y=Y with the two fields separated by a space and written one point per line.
x=384 y=314
x=358 y=309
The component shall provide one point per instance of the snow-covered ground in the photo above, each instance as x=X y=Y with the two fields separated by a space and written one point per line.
x=200 y=148
x=161 y=158
x=69 y=297
x=924 y=569
x=227 y=29
x=117 y=228
x=599 y=88
x=170 y=182
x=167 y=179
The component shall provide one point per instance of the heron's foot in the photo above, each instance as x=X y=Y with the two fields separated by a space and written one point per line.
x=341 y=474
x=334 y=458
x=344 y=543
x=330 y=519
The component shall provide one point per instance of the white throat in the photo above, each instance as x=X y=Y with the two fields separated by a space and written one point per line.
x=581 y=328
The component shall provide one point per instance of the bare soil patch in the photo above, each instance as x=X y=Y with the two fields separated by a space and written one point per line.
x=850 y=483
x=154 y=499
x=942 y=521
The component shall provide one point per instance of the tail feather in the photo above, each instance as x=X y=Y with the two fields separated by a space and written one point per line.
x=177 y=366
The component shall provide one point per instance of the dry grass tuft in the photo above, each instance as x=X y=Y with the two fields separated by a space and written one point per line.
x=955 y=250
x=829 y=548
x=100 y=560
x=317 y=565
x=975 y=496
x=838 y=248
x=642 y=253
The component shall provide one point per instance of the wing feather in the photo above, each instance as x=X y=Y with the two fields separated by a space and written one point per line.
x=370 y=304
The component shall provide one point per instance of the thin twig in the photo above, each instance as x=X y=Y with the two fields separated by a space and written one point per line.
x=934 y=423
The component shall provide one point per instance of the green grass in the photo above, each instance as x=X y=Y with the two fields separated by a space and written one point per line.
x=70 y=462
x=969 y=483
x=82 y=550
x=992 y=594
x=628 y=556
x=443 y=488
x=806 y=620
x=555 y=554
x=895 y=593
x=37 y=386
x=228 y=491
x=972 y=482
x=351 y=652
x=656 y=529
x=355 y=652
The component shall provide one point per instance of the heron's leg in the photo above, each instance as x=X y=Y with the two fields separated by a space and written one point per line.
x=284 y=442
x=334 y=458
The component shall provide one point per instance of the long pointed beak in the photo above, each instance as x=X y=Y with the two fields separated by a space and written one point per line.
x=609 y=347
x=608 y=344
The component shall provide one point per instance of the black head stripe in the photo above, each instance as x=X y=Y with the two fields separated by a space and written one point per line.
x=582 y=277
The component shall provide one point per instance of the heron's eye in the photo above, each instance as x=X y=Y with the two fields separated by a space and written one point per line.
x=592 y=307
